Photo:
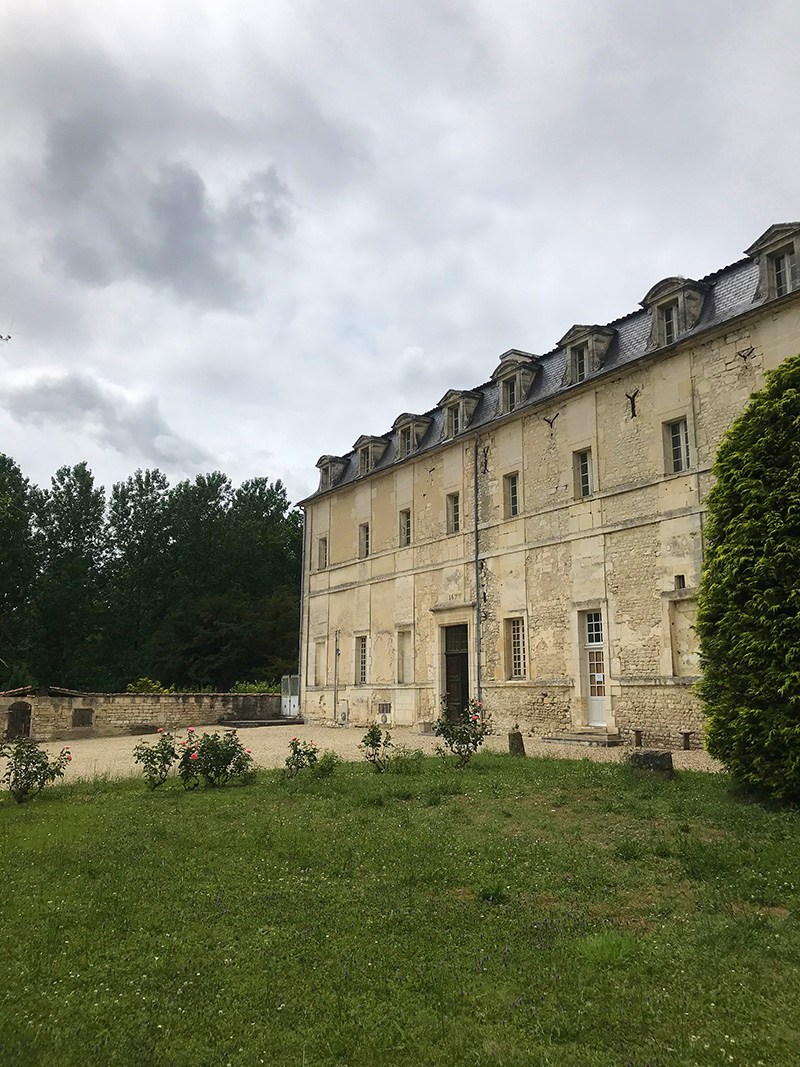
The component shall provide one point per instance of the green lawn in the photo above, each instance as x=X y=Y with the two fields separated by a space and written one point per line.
x=523 y=912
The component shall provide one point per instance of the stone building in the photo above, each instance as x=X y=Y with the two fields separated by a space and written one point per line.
x=536 y=542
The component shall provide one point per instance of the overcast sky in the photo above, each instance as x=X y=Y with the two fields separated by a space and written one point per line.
x=237 y=235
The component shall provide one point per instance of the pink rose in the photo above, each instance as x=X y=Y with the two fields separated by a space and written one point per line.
x=160 y=730
x=191 y=729
x=248 y=751
x=69 y=758
x=294 y=739
x=193 y=756
x=183 y=742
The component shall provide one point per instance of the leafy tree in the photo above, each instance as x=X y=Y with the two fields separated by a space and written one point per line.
x=749 y=609
x=17 y=572
x=72 y=547
x=138 y=572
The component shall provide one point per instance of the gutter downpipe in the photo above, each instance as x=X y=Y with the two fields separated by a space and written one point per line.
x=478 y=677
x=335 y=675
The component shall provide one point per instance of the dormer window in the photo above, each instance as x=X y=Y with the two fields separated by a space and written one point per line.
x=777 y=253
x=368 y=451
x=675 y=305
x=782 y=264
x=410 y=431
x=514 y=377
x=459 y=407
x=586 y=348
x=669 y=322
x=509 y=394
x=578 y=356
x=330 y=470
x=453 y=420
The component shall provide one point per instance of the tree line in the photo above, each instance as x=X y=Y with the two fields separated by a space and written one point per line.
x=196 y=584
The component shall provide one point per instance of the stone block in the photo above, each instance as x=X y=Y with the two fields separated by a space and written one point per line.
x=652 y=761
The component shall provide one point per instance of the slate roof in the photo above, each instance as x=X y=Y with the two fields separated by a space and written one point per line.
x=731 y=292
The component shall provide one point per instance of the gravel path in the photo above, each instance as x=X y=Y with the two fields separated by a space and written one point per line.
x=113 y=756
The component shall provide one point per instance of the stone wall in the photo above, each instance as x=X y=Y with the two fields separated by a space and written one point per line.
x=53 y=713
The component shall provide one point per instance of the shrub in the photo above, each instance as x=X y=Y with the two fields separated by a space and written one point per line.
x=327 y=763
x=301 y=754
x=214 y=759
x=749 y=607
x=406 y=760
x=256 y=687
x=148 y=685
x=28 y=769
x=156 y=759
x=463 y=736
x=376 y=747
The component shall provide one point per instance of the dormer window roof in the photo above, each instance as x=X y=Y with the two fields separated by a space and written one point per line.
x=330 y=471
x=514 y=374
x=369 y=451
x=674 y=305
x=777 y=252
x=586 y=349
x=410 y=430
x=459 y=407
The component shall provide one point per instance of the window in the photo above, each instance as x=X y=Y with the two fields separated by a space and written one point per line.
x=677 y=446
x=584 y=483
x=324 y=478
x=82 y=716
x=669 y=323
x=516 y=648
x=509 y=388
x=453 y=420
x=453 y=513
x=405 y=528
x=511 y=495
x=680 y=581
x=363 y=540
x=406 y=441
x=405 y=657
x=364 y=461
x=322 y=553
x=782 y=269
x=579 y=358
x=320 y=662
x=361 y=661
x=594 y=628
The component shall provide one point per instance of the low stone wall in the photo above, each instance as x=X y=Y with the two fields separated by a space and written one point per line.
x=59 y=717
x=661 y=709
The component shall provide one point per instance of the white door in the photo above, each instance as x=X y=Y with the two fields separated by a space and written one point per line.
x=595 y=669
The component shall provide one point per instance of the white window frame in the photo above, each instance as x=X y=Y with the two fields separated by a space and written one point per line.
x=322 y=553
x=517 y=653
x=510 y=394
x=511 y=495
x=453 y=420
x=584 y=474
x=676 y=446
x=406 y=441
x=781 y=264
x=405 y=527
x=363 y=540
x=668 y=316
x=360 y=660
x=453 y=513
x=579 y=357
x=364 y=460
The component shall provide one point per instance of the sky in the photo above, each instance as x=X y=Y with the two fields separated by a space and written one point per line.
x=240 y=235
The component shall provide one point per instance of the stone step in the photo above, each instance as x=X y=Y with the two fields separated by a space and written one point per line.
x=236 y=724
x=600 y=738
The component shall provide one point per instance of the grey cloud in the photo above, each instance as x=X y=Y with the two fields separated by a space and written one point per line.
x=78 y=402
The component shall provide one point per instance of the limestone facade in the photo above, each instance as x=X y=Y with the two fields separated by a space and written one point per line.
x=537 y=542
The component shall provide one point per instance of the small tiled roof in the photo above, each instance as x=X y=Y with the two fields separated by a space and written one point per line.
x=730 y=293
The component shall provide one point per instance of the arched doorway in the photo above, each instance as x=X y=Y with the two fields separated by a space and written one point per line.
x=19 y=720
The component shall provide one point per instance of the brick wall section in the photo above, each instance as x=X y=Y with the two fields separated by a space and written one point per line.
x=122 y=713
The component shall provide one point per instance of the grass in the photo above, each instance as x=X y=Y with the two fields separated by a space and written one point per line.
x=524 y=912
